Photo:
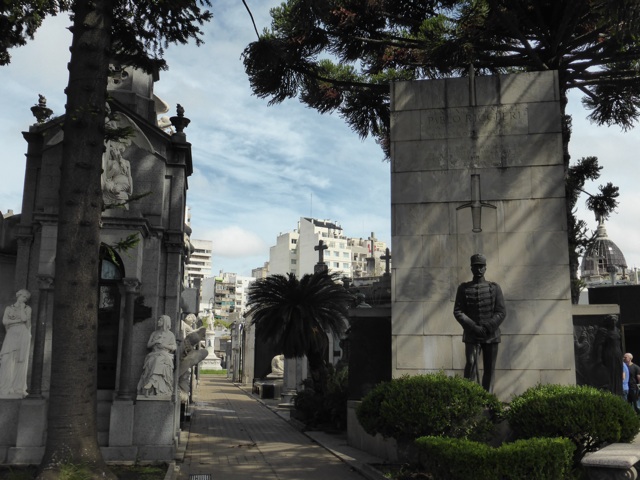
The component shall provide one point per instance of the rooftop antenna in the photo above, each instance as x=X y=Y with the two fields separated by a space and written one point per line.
x=311 y=205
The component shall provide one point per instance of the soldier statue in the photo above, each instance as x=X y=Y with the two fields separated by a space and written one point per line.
x=480 y=309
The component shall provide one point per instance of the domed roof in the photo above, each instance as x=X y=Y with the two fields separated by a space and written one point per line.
x=602 y=257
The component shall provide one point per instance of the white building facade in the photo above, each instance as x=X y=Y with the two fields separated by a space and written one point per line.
x=295 y=251
x=199 y=263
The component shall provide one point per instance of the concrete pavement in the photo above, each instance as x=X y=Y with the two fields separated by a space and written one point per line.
x=233 y=435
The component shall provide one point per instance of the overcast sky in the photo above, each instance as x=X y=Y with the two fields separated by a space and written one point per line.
x=259 y=168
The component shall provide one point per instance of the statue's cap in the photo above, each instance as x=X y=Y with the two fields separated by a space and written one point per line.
x=478 y=259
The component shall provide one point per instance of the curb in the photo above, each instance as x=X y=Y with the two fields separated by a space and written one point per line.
x=172 y=471
x=365 y=469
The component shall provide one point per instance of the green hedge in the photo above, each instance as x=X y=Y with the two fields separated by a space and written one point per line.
x=589 y=417
x=462 y=459
x=434 y=404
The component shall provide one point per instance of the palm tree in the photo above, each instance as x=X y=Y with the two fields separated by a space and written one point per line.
x=296 y=315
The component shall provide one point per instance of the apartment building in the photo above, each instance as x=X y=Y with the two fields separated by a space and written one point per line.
x=199 y=264
x=295 y=251
x=225 y=295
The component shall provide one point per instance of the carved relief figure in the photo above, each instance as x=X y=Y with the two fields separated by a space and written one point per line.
x=117 y=184
x=480 y=309
x=14 y=355
x=157 y=372
x=608 y=345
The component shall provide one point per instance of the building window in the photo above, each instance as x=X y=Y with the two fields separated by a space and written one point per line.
x=345 y=266
x=294 y=261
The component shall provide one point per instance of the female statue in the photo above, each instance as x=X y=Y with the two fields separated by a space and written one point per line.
x=157 y=372
x=14 y=355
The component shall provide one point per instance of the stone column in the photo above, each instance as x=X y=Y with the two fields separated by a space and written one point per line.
x=295 y=371
x=126 y=390
x=289 y=382
x=122 y=416
x=45 y=284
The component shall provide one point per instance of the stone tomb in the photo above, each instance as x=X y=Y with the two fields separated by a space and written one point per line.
x=134 y=289
x=477 y=166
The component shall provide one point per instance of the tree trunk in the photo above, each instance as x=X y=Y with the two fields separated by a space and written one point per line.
x=72 y=418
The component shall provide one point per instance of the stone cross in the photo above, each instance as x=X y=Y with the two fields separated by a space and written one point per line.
x=476 y=203
x=386 y=257
x=321 y=247
x=372 y=244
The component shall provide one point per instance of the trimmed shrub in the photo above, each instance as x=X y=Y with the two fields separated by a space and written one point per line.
x=434 y=404
x=589 y=417
x=461 y=459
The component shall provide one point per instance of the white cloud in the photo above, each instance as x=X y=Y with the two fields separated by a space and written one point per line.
x=235 y=242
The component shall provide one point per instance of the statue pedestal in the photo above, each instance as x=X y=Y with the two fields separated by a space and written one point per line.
x=269 y=388
x=295 y=371
x=31 y=431
x=154 y=429
x=31 y=423
x=121 y=423
x=9 y=414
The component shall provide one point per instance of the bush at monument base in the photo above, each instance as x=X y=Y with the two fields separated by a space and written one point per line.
x=589 y=417
x=457 y=459
x=433 y=404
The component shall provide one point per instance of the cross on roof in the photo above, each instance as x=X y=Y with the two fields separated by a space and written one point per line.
x=386 y=257
x=321 y=247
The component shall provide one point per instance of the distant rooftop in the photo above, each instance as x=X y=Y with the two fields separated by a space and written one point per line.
x=323 y=223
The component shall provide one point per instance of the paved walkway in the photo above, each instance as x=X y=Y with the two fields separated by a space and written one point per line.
x=235 y=436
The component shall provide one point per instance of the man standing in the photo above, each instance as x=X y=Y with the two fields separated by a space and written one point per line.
x=480 y=309
x=634 y=380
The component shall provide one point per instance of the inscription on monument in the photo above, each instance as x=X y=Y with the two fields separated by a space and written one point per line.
x=474 y=122
x=469 y=152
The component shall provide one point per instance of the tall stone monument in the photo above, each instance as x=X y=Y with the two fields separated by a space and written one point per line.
x=477 y=166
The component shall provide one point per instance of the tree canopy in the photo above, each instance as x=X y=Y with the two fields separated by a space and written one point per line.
x=139 y=33
x=340 y=55
x=20 y=19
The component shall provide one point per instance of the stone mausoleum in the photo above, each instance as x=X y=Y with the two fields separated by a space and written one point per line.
x=150 y=167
